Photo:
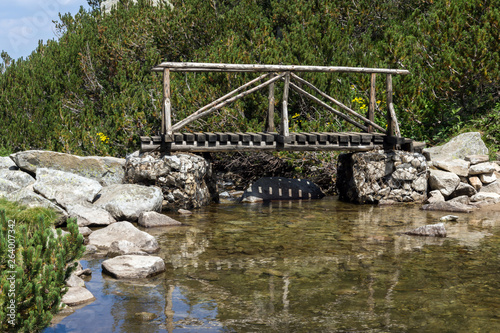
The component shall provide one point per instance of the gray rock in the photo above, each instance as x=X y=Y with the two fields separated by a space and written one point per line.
x=487 y=178
x=87 y=214
x=491 y=188
x=459 y=147
x=145 y=316
x=29 y=198
x=84 y=231
x=480 y=168
x=154 y=219
x=449 y=206
x=444 y=181
x=77 y=295
x=184 y=179
x=7 y=163
x=90 y=249
x=280 y=188
x=456 y=166
x=435 y=196
x=133 y=266
x=128 y=201
x=431 y=230
x=103 y=238
x=7 y=186
x=63 y=187
x=475 y=182
x=463 y=189
x=463 y=199
x=486 y=197
x=476 y=159
x=106 y=170
x=123 y=247
x=448 y=218
x=184 y=211
x=20 y=178
x=75 y=281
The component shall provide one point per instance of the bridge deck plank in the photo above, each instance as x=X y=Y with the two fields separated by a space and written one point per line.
x=228 y=141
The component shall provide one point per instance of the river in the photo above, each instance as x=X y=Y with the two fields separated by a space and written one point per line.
x=307 y=266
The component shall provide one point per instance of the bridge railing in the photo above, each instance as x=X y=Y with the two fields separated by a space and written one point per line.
x=272 y=74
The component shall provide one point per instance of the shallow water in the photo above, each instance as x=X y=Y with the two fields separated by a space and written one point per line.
x=307 y=266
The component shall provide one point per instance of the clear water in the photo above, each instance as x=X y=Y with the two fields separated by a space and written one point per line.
x=307 y=266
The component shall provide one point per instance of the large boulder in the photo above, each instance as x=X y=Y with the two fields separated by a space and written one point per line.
x=463 y=189
x=103 y=238
x=459 y=147
x=87 y=214
x=444 y=181
x=13 y=180
x=7 y=163
x=106 y=170
x=61 y=186
x=457 y=166
x=491 y=188
x=133 y=266
x=19 y=178
x=27 y=197
x=185 y=180
x=128 y=201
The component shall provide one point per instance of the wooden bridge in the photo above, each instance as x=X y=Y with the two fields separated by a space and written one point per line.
x=372 y=135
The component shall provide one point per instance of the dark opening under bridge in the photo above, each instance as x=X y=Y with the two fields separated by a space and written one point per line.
x=372 y=135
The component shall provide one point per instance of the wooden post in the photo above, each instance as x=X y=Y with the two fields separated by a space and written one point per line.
x=166 y=126
x=270 y=110
x=284 y=112
x=371 y=107
x=392 y=123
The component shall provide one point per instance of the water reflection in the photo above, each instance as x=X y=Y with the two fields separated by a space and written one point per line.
x=309 y=266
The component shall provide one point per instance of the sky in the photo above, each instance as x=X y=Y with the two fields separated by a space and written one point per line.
x=24 y=22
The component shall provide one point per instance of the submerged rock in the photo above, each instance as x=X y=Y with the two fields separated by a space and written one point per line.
x=280 y=188
x=154 y=219
x=449 y=218
x=449 y=206
x=431 y=230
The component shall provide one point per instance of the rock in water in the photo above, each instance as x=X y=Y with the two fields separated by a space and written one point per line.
x=449 y=218
x=432 y=230
x=280 y=188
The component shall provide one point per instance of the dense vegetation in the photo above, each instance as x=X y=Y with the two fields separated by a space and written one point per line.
x=92 y=91
x=34 y=265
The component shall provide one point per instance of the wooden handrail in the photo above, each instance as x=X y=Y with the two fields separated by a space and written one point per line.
x=277 y=72
x=214 y=67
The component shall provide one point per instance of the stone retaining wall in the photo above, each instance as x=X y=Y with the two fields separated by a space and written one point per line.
x=382 y=177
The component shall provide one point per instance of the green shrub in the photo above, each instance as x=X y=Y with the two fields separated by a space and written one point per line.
x=34 y=265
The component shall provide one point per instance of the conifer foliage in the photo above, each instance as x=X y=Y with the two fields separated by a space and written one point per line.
x=96 y=82
x=34 y=265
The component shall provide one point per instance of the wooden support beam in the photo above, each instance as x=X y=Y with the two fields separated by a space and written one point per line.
x=284 y=112
x=323 y=104
x=339 y=104
x=392 y=122
x=270 y=111
x=373 y=102
x=166 y=127
x=203 y=111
